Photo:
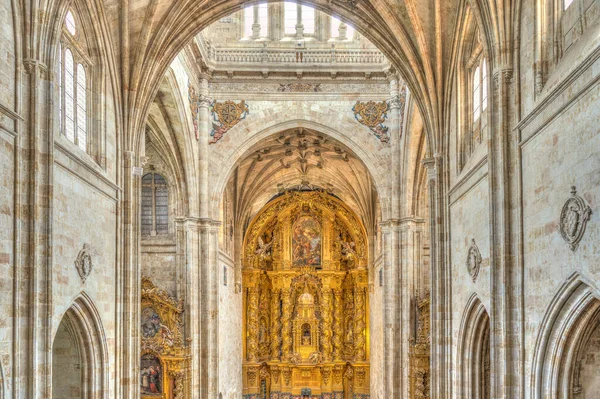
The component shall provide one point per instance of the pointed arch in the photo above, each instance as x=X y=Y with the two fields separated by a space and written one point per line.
x=571 y=318
x=474 y=351
x=84 y=325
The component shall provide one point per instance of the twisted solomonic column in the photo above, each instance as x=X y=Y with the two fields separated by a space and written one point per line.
x=359 y=324
x=327 y=323
x=275 y=325
x=252 y=327
x=337 y=327
x=286 y=339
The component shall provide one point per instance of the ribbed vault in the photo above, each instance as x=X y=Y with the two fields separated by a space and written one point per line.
x=301 y=159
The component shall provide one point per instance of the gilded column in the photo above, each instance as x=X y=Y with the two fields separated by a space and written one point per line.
x=252 y=328
x=275 y=324
x=286 y=339
x=337 y=328
x=327 y=322
x=359 y=323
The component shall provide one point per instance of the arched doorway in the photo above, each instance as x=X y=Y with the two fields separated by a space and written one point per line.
x=306 y=302
x=474 y=352
x=79 y=354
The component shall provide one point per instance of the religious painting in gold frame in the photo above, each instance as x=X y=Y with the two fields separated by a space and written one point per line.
x=306 y=242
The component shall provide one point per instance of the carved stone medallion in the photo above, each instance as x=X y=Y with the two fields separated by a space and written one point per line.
x=473 y=260
x=573 y=219
x=83 y=263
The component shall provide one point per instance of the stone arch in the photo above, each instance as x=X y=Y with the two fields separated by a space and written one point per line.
x=187 y=19
x=570 y=320
x=474 y=351
x=251 y=133
x=84 y=326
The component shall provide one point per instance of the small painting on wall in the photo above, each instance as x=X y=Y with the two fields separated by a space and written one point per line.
x=150 y=376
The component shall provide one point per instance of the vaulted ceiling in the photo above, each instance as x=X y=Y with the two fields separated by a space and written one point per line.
x=301 y=159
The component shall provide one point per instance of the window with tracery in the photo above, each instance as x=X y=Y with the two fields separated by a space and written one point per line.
x=155 y=205
x=73 y=84
x=479 y=97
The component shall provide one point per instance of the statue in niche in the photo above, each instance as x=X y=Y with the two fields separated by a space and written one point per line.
x=306 y=338
x=262 y=332
x=349 y=331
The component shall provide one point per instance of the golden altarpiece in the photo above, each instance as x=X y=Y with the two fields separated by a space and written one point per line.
x=305 y=300
x=165 y=358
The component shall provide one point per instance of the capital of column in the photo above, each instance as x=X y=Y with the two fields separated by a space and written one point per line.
x=431 y=164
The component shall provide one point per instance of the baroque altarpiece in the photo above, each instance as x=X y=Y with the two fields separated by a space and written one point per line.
x=165 y=357
x=305 y=300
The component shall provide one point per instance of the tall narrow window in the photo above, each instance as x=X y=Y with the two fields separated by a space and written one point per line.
x=308 y=20
x=70 y=23
x=476 y=94
x=248 y=21
x=484 y=90
x=72 y=84
x=81 y=108
x=69 y=96
x=155 y=205
x=290 y=17
x=263 y=19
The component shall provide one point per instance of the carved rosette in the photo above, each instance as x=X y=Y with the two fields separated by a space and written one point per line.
x=286 y=342
x=473 y=262
x=359 y=324
x=573 y=219
x=275 y=324
x=338 y=330
x=252 y=340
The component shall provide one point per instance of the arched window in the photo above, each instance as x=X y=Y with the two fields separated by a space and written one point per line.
x=155 y=205
x=479 y=98
x=73 y=85
x=256 y=21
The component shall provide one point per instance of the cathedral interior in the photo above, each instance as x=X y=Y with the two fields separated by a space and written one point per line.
x=311 y=199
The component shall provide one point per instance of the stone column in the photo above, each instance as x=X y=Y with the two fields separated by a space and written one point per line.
x=275 y=324
x=204 y=102
x=299 y=24
x=391 y=309
x=441 y=370
x=506 y=276
x=256 y=24
x=338 y=331
x=327 y=324
x=286 y=321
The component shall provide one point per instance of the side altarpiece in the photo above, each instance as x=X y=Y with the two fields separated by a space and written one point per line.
x=306 y=303
x=165 y=358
